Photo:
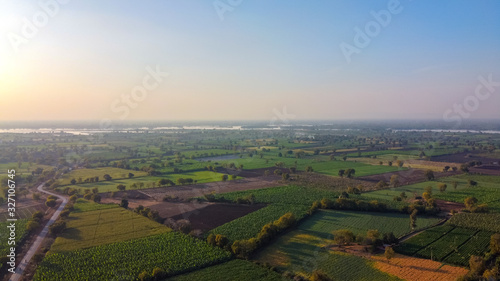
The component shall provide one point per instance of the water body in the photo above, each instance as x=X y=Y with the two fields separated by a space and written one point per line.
x=449 y=131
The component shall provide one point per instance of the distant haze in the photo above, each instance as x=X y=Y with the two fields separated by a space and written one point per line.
x=260 y=60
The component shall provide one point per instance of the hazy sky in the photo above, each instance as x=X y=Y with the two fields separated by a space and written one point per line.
x=248 y=59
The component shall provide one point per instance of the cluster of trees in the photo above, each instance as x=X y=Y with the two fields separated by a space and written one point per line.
x=244 y=248
x=372 y=240
x=487 y=267
x=350 y=204
x=355 y=190
x=34 y=222
x=348 y=173
x=92 y=195
x=156 y=275
x=148 y=213
x=471 y=205
x=249 y=199
x=87 y=180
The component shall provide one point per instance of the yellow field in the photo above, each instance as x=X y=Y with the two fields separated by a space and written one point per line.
x=415 y=269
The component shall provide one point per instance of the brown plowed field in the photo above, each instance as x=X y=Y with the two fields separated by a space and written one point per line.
x=406 y=177
x=463 y=158
x=214 y=215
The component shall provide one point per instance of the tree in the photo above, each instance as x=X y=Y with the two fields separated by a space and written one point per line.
x=121 y=187
x=344 y=158
x=124 y=203
x=51 y=203
x=471 y=182
x=413 y=219
x=343 y=237
x=211 y=239
x=57 y=228
x=454 y=184
x=32 y=225
x=389 y=253
x=350 y=173
x=394 y=180
x=318 y=275
x=476 y=265
x=429 y=174
x=224 y=177
x=221 y=241
x=390 y=238
x=442 y=187
x=470 y=203
x=341 y=173
x=495 y=244
x=144 y=276
x=73 y=198
x=107 y=177
x=73 y=181
x=381 y=184
x=309 y=169
x=285 y=176
x=446 y=168
x=96 y=198
x=130 y=175
x=158 y=274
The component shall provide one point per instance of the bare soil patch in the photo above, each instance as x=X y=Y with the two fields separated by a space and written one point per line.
x=214 y=215
x=186 y=192
x=447 y=206
x=464 y=157
x=406 y=177
x=493 y=170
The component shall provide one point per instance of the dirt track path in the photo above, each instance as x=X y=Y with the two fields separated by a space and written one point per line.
x=34 y=247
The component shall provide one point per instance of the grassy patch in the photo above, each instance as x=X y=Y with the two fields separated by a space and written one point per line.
x=324 y=222
x=105 y=226
x=173 y=252
x=115 y=173
x=232 y=270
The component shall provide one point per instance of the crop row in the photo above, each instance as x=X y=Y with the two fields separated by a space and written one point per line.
x=250 y=225
x=477 y=221
x=421 y=240
x=477 y=245
x=173 y=252
x=446 y=244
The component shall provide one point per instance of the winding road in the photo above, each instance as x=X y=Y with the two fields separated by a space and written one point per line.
x=34 y=247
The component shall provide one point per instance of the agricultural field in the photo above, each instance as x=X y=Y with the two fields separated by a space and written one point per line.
x=4 y=234
x=98 y=227
x=447 y=243
x=82 y=205
x=301 y=252
x=115 y=173
x=487 y=190
x=24 y=212
x=415 y=269
x=173 y=252
x=151 y=181
x=250 y=225
x=324 y=222
x=290 y=194
x=237 y=269
x=476 y=221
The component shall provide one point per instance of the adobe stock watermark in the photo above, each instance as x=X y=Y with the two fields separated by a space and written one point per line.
x=123 y=105
x=363 y=37
x=283 y=116
x=223 y=6
x=30 y=27
x=484 y=89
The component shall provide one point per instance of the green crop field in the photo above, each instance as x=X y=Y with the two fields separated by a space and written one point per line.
x=477 y=245
x=421 y=240
x=173 y=252
x=115 y=173
x=487 y=191
x=5 y=233
x=324 y=222
x=109 y=186
x=488 y=222
x=291 y=194
x=83 y=205
x=301 y=252
x=447 y=244
x=250 y=225
x=99 y=227
x=232 y=270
